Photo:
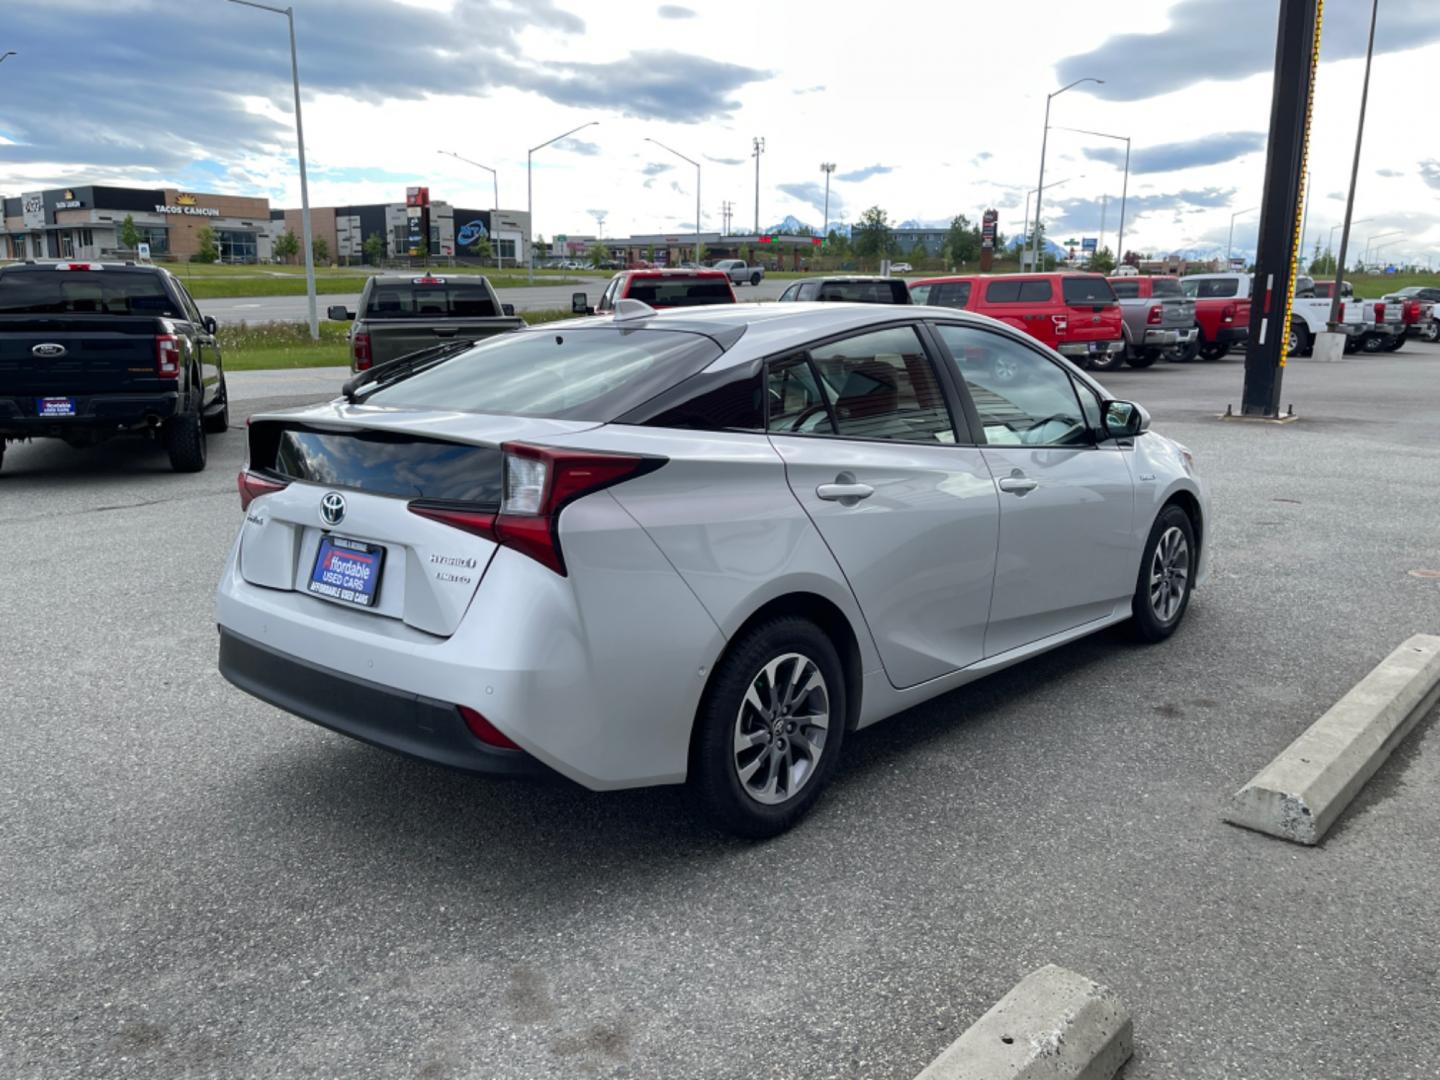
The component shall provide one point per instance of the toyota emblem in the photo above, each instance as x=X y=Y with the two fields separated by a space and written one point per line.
x=48 y=349
x=332 y=508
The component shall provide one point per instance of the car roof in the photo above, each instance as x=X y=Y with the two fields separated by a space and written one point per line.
x=1028 y=276
x=433 y=275
x=669 y=271
x=846 y=277
x=48 y=266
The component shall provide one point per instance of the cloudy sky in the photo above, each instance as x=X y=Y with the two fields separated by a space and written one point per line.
x=927 y=107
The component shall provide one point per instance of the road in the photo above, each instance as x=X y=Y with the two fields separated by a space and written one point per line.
x=193 y=884
x=527 y=298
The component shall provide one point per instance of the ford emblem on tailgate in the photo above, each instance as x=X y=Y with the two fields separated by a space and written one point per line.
x=332 y=508
x=49 y=348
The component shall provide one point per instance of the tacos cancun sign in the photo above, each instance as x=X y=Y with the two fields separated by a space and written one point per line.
x=191 y=209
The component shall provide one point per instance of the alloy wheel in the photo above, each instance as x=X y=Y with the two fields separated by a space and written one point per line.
x=781 y=729
x=1169 y=574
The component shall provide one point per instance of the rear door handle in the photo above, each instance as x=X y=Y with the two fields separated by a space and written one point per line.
x=849 y=494
x=1018 y=485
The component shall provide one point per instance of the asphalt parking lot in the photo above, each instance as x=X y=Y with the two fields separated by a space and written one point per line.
x=193 y=884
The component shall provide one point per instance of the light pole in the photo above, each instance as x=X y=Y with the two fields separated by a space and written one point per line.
x=1124 y=184
x=1230 y=242
x=1354 y=170
x=8 y=53
x=530 y=187
x=692 y=161
x=1044 y=139
x=1388 y=243
x=827 y=167
x=289 y=14
x=1330 y=244
x=1031 y=192
x=495 y=212
x=759 y=148
x=1365 y=259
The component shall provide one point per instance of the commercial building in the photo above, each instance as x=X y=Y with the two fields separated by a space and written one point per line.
x=932 y=240
x=454 y=231
x=776 y=250
x=84 y=222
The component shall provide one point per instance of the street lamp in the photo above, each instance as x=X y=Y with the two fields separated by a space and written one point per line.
x=692 y=161
x=289 y=14
x=1365 y=259
x=499 y=259
x=758 y=144
x=1330 y=244
x=8 y=53
x=1032 y=191
x=828 y=167
x=1124 y=184
x=1230 y=243
x=530 y=185
x=1044 y=139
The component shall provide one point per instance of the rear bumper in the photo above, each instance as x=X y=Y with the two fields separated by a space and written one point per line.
x=1232 y=335
x=1082 y=349
x=409 y=724
x=104 y=412
x=1167 y=336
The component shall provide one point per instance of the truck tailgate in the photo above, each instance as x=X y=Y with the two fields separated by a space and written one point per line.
x=75 y=355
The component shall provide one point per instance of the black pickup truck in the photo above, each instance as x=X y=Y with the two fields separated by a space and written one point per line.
x=92 y=350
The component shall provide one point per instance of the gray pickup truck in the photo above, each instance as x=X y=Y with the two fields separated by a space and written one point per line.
x=1159 y=319
x=740 y=272
x=401 y=314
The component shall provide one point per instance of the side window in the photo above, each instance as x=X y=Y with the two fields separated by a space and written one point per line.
x=1126 y=290
x=790 y=294
x=920 y=294
x=809 y=290
x=955 y=294
x=1034 y=291
x=1023 y=398
x=608 y=298
x=726 y=401
x=882 y=385
x=795 y=403
x=1090 y=407
x=1002 y=292
x=192 y=312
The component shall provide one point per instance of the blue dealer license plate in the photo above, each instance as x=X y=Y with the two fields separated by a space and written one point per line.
x=54 y=406
x=347 y=570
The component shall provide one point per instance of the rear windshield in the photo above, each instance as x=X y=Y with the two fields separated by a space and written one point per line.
x=84 y=292
x=590 y=374
x=1210 y=288
x=380 y=462
x=1087 y=290
x=1126 y=290
x=865 y=292
x=451 y=299
x=680 y=292
x=954 y=294
x=1166 y=286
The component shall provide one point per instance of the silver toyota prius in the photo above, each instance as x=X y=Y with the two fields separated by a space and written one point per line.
x=698 y=546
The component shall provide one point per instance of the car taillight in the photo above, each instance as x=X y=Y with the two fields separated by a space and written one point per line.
x=360 y=351
x=1411 y=311
x=1227 y=313
x=539 y=482
x=1062 y=324
x=483 y=730
x=1380 y=312
x=167 y=356
x=252 y=486
x=1154 y=317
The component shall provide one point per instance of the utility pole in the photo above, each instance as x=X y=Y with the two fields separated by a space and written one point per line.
x=759 y=144
x=1354 y=171
x=827 y=167
x=1100 y=240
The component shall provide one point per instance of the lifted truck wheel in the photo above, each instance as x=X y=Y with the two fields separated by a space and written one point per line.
x=1212 y=351
x=218 y=422
x=185 y=439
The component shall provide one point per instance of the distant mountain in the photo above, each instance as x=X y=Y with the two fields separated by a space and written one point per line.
x=924 y=223
x=791 y=226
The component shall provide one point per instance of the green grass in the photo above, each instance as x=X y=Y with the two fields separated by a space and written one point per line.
x=277 y=345
x=254 y=281
x=1377 y=285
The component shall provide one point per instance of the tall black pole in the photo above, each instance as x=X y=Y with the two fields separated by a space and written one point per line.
x=1354 y=172
x=1297 y=49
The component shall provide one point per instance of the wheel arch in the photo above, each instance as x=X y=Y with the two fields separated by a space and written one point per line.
x=1187 y=501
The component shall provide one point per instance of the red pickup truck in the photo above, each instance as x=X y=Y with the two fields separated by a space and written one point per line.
x=1222 y=311
x=1077 y=315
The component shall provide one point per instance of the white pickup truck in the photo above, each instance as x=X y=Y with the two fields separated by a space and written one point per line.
x=1368 y=325
x=740 y=272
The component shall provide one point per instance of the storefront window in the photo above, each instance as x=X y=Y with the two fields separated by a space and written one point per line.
x=236 y=246
x=157 y=238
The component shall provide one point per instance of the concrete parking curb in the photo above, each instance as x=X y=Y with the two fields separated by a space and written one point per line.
x=1054 y=1024
x=1299 y=795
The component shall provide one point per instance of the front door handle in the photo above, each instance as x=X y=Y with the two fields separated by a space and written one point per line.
x=847 y=494
x=1018 y=485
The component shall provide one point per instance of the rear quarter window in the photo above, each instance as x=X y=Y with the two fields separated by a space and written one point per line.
x=1018 y=292
x=1163 y=287
x=1087 y=290
x=1211 y=288
x=1126 y=290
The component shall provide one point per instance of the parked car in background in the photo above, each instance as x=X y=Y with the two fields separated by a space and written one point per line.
x=91 y=350
x=1324 y=290
x=1076 y=314
x=695 y=546
x=401 y=314
x=855 y=288
x=1426 y=299
x=739 y=271
x=1159 y=319
x=659 y=289
x=901 y=268
x=1222 y=310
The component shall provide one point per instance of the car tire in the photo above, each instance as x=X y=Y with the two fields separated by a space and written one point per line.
x=1394 y=343
x=754 y=279
x=1300 y=342
x=1112 y=361
x=1142 y=358
x=217 y=423
x=1182 y=354
x=1166 y=578
x=185 y=439
x=1352 y=344
x=745 y=747
x=1372 y=343
x=1431 y=332
x=1211 y=351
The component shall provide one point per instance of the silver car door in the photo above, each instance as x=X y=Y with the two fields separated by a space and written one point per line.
x=1067 y=551
x=909 y=512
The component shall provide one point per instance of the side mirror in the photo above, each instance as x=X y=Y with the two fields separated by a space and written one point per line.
x=211 y=326
x=580 y=304
x=339 y=313
x=507 y=309
x=1125 y=419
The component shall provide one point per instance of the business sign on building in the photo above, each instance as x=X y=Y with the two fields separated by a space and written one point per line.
x=988 y=224
x=187 y=205
x=1089 y=243
x=417 y=196
x=32 y=207
x=69 y=202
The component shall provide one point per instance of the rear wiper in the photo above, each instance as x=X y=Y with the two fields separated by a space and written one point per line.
x=402 y=367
